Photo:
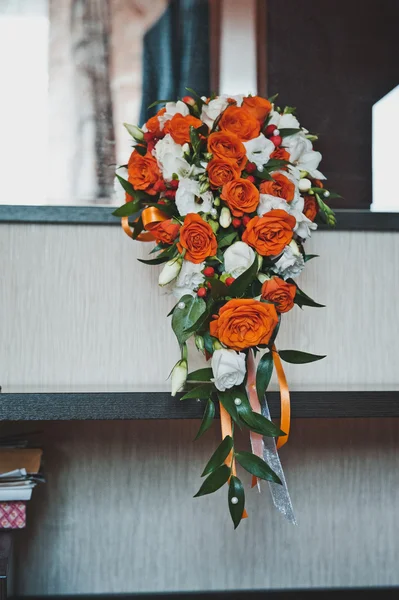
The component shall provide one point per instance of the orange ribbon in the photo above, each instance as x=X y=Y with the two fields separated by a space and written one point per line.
x=227 y=429
x=285 y=417
x=256 y=438
x=151 y=216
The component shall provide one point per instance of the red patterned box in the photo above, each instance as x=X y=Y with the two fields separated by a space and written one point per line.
x=12 y=515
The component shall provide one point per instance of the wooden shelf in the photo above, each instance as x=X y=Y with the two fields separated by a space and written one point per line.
x=160 y=405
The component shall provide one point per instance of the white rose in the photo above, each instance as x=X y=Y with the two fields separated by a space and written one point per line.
x=291 y=263
x=189 y=279
x=190 y=200
x=169 y=157
x=228 y=368
x=259 y=150
x=238 y=258
x=268 y=203
x=212 y=110
x=172 y=109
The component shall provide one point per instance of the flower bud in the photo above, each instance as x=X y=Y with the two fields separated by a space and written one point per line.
x=216 y=201
x=217 y=345
x=262 y=277
x=134 y=131
x=179 y=376
x=225 y=217
x=208 y=155
x=214 y=226
x=304 y=185
x=204 y=187
x=170 y=271
x=199 y=342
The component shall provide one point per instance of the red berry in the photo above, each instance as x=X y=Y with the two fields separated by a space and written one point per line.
x=170 y=194
x=174 y=184
x=236 y=223
x=269 y=131
x=230 y=280
x=201 y=292
x=159 y=186
x=188 y=100
x=245 y=220
x=148 y=136
x=277 y=140
x=250 y=167
x=208 y=285
x=251 y=178
x=209 y=272
x=162 y=201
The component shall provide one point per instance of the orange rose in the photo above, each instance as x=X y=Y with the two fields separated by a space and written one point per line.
x=311 y=208
x=280 y=154
x=179 y=127
x=279 y=292
x=165 y=231
x=224 y=144
x=153 y=127
x=197 y=238
x=244 y=323
x=317 y=183
x=241 y=196
x=143 y=172
x=221 y=171
x=241 y=122
x=281 y=186
x=257 y=106
x=270 y=234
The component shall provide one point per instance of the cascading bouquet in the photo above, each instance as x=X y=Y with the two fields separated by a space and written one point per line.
x=229 y=189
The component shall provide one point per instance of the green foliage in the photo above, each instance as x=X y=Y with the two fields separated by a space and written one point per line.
x=207 y=419
x=285 y=132
x=184 y=318
x=297 y=357
x=257 y=466
x=200 y=391
x=240 y=285
x=128 y=209
x=200 y=375
x=219 y=456
x=264 y=374
x=236 y=490
x=214 y=481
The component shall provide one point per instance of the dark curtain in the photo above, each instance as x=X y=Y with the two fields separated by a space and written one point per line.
x=176 y=54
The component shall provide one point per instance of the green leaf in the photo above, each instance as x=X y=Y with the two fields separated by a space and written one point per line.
x=219 y=289
x=302 y=299
x=273 y=98
x=208 y=341
x=168 y=209
x=263 y=175
x=207 y=419
x=264 y=374
x=290 y=110
x=236 y=490
x=257 y=466
x=155 y=261
x=214 y=481
x=142 y=150
x=285 y=132
x=299 y=358
x=227 y=239
x=127 y=186
x=158 y=102
x=259 y=424
x=184 y=318
x=276 y=163
x=326 y=212
x=200 y=375
x=197 y=98
x=240 y=285
x=310 y=256
x=171 y=310
x=137 y=228
x=219 y=456
x=201 y=392
x=227 y=401
x=128 y=209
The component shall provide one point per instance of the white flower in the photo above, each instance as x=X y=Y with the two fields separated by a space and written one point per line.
x=172 y=109
x=303 y=225
x=268 y=203
x=228 y=368
x=189 y=279
x=212 y=110
x=190 y=200
x=302 y=154
x=238 y=258
x=291 y=263
x=304 y=185
x=179 y=376
x=238 y=98
x=259 y=150
x=170 y=271
x=169 y=157
x=287 y=121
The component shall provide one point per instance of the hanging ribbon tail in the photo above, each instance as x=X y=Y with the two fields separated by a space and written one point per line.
x=280 y=495
x=265 y=447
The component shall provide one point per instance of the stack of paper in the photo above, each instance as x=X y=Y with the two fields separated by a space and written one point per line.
x=19 y=472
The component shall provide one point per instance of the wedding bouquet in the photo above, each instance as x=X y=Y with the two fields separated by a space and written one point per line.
x=229 y=190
